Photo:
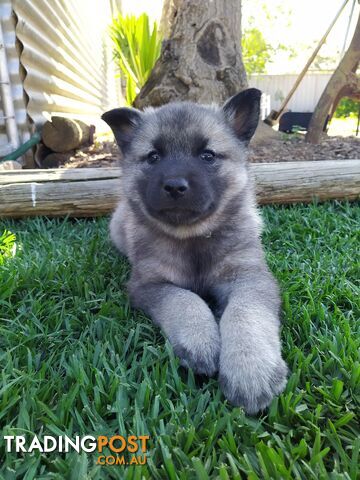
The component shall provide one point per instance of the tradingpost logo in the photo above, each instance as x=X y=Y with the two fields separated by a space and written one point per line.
x=125 y=450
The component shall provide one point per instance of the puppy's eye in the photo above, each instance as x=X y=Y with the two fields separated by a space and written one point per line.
x=153 y=157
x=207 y=155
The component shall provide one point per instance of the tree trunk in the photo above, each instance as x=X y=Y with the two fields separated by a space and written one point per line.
x=201 y=54
x=343 y=83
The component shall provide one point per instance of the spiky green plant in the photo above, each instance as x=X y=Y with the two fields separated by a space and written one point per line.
x=7 y=245
x=136 y=49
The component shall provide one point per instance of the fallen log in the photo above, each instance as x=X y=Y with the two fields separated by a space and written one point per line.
x=293 y=182
x=88 y=192
x=65 y=134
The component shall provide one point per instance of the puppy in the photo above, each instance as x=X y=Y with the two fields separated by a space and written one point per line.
x=188 y=223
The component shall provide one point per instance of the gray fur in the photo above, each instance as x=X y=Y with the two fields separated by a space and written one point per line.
x=205 y=282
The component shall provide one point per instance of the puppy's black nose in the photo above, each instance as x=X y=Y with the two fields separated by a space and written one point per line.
x=175 y=187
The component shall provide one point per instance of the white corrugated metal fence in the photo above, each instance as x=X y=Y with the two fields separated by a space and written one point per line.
x=15 y=95
x=305 y=97
x=67 y=58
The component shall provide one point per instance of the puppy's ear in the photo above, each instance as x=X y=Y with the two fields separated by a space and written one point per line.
x=123 y=122
x=242 y=112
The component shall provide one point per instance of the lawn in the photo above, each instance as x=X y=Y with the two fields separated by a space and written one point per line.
x=76 y=359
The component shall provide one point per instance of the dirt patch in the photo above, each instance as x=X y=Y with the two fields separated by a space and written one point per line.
x=100 y=154
x=291 y=148
x=287 y=148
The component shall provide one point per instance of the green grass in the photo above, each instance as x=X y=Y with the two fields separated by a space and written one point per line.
x=76 y=359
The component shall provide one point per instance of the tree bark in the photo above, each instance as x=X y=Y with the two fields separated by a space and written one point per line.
x=200 y=57
x=343 y=83
x=88 y=192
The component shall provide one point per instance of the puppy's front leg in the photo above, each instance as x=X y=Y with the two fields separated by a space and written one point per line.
x=186 y=320
x=251 y=368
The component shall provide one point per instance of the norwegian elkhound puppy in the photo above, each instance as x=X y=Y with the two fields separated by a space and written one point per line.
x=188 y=223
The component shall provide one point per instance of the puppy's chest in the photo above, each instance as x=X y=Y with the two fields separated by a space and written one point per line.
x=198 y=259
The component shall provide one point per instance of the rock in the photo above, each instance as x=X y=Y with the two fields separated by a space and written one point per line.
x=10 y=165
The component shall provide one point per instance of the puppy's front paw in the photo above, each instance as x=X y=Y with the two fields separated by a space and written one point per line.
x=251 y=382
x=199 y=350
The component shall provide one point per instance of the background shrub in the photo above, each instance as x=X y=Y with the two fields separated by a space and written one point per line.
x=136 y=49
